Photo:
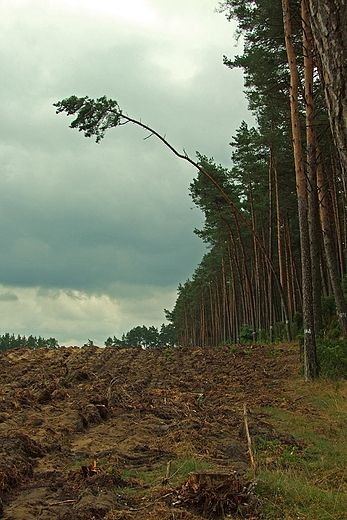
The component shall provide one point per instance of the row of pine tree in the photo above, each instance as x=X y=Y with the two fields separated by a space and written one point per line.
x=277 y=233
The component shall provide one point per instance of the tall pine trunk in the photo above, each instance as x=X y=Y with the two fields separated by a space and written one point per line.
x=270 y=276
x=310 y=355
x=311 y=146
x=316 y=174
x=329 y=26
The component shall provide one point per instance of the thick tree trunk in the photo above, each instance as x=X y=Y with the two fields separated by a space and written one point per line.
x=270 y=307
x=338 y=220
x=330 y=253
x=329 y=27
x=315 y=172
x=310 y=356
x=311 y=146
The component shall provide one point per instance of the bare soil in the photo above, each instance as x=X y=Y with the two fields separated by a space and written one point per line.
x=75 y=421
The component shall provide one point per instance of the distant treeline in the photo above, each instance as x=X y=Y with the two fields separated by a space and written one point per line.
x=146 y=337
x=8 y=342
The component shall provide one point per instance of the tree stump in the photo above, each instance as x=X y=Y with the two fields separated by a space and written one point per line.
x=214 y=494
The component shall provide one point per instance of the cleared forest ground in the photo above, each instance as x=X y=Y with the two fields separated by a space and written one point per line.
x=113 y=433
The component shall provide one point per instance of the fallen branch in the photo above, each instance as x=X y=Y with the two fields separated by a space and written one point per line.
x=298 y=398
x=334 y=472
x=61 y=502
x=249 y=441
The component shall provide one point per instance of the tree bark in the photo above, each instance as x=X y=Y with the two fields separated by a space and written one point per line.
x=270 y=307
x=311 y=153
x=329 y=27
x=310 y=356
x=315 y=173
x=331 y=256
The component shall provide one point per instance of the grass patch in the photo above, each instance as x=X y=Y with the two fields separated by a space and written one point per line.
x=145 y=481
x=309 y=481
x=289 y=494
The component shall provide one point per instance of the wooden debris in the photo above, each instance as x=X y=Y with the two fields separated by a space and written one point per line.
x=90 y=470
x=167 y=475
x=249 y=441
x=61 y=502
x=213 y=494
x=109 y=391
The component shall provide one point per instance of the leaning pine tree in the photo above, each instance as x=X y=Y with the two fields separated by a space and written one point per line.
x=95 y=117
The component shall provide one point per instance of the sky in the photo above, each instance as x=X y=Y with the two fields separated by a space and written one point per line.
x=96 y=238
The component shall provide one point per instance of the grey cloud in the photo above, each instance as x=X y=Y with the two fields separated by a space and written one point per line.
x=8 y=297
x=113 y=218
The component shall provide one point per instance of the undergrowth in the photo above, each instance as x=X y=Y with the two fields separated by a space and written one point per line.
x=332 y=358
x=308 y=479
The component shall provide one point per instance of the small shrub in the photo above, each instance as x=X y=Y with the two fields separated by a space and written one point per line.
x=332 y=358
x=263 y=336
x=246 y=333
x=332 y=329
x=225 y=343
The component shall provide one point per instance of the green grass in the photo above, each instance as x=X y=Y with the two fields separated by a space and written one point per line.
x=145 y=481
x=309 y=481
x=290 y=494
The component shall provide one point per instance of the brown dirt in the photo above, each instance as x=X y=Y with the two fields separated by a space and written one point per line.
x=129 y=409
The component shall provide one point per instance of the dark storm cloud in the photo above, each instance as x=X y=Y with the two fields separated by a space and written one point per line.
x=113 y=219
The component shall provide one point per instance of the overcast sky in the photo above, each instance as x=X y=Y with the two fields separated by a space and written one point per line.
x=96 y=238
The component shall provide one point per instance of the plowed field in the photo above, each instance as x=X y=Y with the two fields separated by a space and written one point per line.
x=111 y=433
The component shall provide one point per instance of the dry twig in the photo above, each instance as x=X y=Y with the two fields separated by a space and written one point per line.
x=249 y=441
x=61 y=502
